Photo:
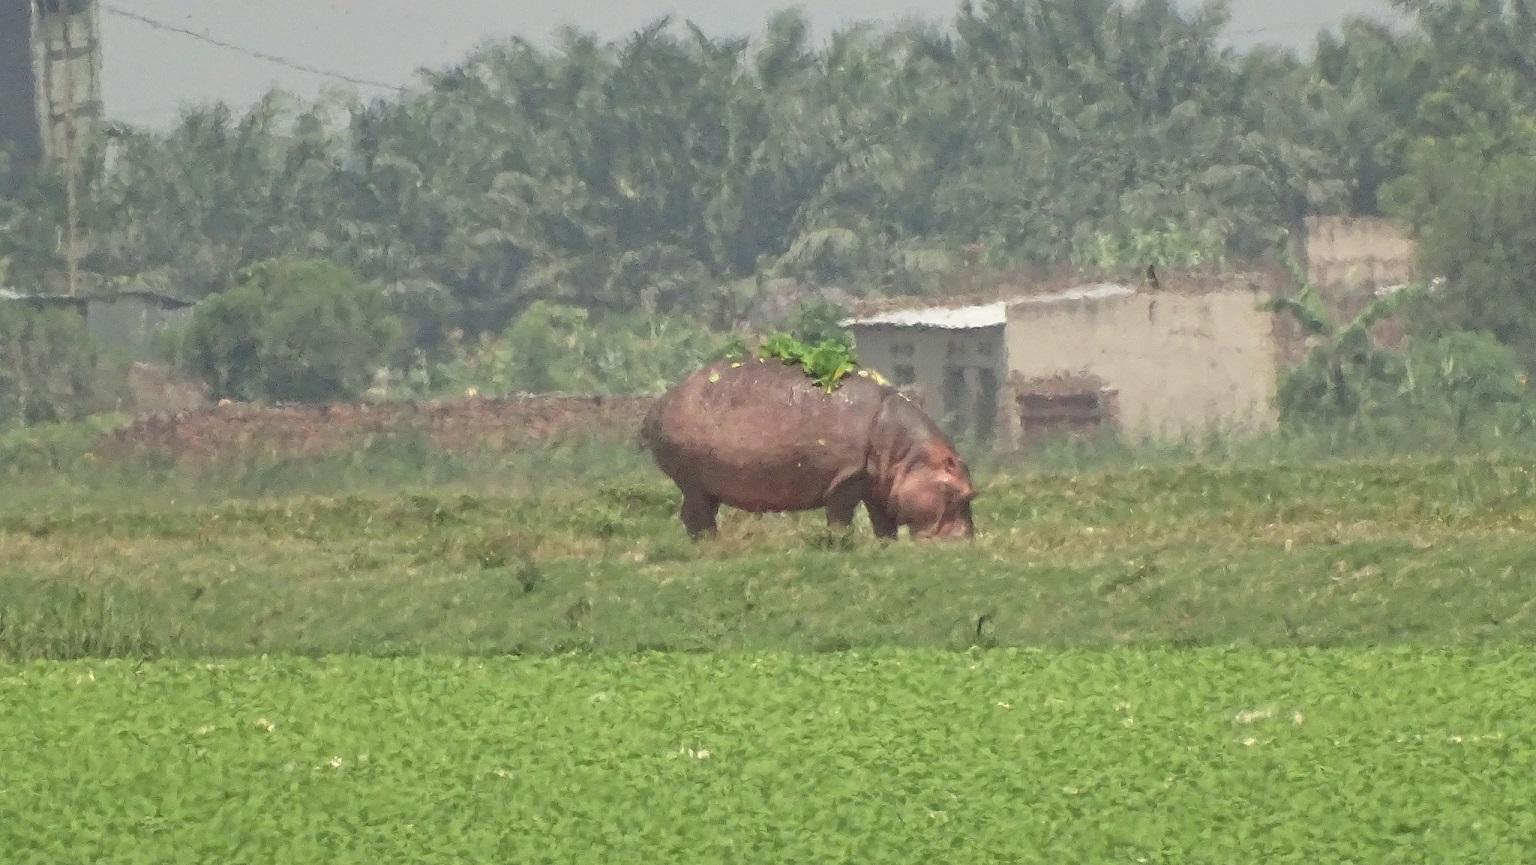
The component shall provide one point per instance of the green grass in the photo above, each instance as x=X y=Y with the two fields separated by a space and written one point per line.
x=57 y=469
x=1423 y=551
x=1211 y=756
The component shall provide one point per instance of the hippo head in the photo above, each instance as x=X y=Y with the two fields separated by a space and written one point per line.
x=933 y=497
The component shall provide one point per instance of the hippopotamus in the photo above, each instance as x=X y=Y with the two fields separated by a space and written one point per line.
x=761 y=436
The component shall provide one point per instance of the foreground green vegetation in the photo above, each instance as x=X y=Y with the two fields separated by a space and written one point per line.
x=579 y=548
x=1225 y=652
x=1211 y=756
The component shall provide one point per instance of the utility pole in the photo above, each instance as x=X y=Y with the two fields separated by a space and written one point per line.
x=57 y=115
x=71 y=162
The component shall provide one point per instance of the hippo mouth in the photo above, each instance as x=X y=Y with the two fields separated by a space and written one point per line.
x=959 y=524
x=956 y=524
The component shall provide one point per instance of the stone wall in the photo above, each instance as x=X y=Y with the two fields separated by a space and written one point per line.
x=455 y=426
x=154 y=387
x=1357 y=254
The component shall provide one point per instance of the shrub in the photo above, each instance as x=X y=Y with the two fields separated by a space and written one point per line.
x=816 y=323
x=551 y=347
x=1458 y=383
x=1465 y=380
x=299 y=331
x=49 y=367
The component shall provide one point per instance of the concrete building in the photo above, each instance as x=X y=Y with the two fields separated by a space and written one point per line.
x=953 y=359
x=129 y=323
x=50 y=75
x=125 y=323
x=1147 y=363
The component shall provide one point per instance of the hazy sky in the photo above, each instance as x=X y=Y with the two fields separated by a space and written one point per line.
x=147 y=72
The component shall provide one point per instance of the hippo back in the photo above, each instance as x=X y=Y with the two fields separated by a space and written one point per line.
x=760 y=435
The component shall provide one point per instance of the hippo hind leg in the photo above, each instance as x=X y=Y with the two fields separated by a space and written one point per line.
x=699 y=512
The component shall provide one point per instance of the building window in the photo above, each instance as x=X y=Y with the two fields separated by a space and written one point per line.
x=901 y=349
x=903 y=374
x=957 y=348
x=984 y=347
x=65 y=7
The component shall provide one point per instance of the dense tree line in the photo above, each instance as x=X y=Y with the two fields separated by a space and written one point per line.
x=675 y=172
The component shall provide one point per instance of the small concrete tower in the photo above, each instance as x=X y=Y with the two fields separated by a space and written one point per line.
x=50 y=76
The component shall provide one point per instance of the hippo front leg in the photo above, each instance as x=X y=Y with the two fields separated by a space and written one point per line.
x=842 y=503
x=880 y=519
x=699 y=513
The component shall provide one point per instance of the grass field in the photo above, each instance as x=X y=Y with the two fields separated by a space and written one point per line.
x=402 y=656
x=1423 y=550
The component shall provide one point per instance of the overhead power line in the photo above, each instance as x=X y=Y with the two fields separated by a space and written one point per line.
x=260 y=55
x=1302 y=25
x=1284 y=28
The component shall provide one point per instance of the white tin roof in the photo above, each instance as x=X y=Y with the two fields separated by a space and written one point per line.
x=948 y=318
x=1102 y=291
x=981 y=315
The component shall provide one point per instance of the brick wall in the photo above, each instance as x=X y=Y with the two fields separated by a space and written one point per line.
x=458 y=425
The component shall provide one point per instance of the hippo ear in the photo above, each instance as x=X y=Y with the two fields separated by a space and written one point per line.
x=956 y=468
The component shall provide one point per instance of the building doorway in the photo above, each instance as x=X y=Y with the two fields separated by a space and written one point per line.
x=970 y=395
x=957 y=402
x=986 y=404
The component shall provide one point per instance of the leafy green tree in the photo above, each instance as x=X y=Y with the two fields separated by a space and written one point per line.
x=1469 y=192
x=1481 y=239
x=670 y=171
x=675 y=173
x=299 y=331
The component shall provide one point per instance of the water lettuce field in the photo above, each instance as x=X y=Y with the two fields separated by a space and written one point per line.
x=1208 y=756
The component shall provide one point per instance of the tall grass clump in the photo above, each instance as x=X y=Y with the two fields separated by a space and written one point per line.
x=59 y=467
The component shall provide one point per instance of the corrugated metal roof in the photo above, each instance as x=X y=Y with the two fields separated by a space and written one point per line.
x=947 y=318
x=41 y=299
x=993 y=314
x=1102 y=291
x=126 y=294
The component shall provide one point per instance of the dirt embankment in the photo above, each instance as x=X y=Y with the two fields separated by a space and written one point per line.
x=455 y=426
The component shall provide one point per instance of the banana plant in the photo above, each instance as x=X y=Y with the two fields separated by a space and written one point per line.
x=1344 y=364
